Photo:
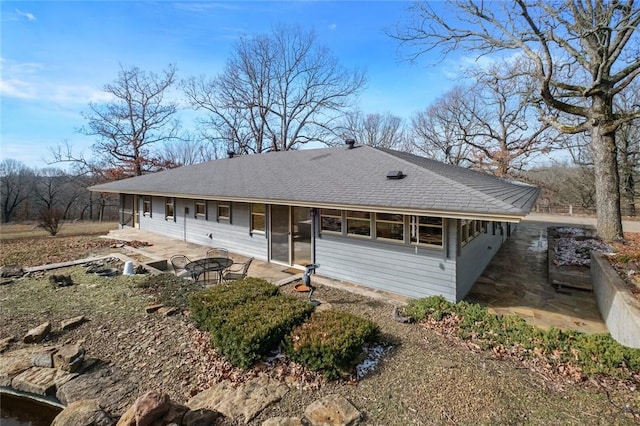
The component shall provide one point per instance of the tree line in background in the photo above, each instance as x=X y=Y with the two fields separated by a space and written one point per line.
x=50 y=196
x=568 y=86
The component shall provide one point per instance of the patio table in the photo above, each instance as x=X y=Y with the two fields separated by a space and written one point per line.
x=208 y=264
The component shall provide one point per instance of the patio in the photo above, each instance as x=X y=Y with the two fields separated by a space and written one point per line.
x=515 y=282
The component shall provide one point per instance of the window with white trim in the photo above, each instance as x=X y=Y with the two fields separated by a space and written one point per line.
x=358 y=223
x=224 y=210
x=146 y=205
x=200 y=209
x=169 y=205
x=427 y=230
x=390 y=226
x=331 y=221
x=258 y=221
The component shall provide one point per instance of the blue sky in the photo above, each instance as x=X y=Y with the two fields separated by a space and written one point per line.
x=56 y=56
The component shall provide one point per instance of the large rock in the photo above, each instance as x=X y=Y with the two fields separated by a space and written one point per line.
x=41 y=381
x=38 y=334
x=248 y=400
x=113 y=394
x=69 y=358
x=14 y=363
x=70 y=323
x=43 y=358
x=8 y=271
x=332 y=410
x=151 y=409
x=82 y=413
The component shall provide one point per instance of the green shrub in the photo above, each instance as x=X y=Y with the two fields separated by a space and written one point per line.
x=593 y=353
x=209 y=308
x=330 y=342
x=599 y=353
x=436 y=307
x=255 y=328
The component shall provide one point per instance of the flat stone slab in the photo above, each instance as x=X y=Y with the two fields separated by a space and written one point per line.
x=40 y=380
x=38 y=334
x=70 y=323
x=283 y=421
x=247 y=400
x=332 y=410
x=14 y=363
x=86 y=412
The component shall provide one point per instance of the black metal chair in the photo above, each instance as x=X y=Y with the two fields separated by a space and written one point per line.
x=237 y=271
x=218 y=252
x=179 y=261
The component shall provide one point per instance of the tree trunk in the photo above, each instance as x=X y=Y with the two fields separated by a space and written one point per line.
x=626 y=163
x=609 y=220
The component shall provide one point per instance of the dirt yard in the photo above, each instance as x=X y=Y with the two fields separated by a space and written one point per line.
x=426 y=378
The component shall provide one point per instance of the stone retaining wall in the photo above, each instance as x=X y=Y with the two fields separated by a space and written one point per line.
x=619 y=308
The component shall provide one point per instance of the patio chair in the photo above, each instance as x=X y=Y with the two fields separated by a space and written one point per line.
x=179 y=261
x=237 y=271
x=218 y=252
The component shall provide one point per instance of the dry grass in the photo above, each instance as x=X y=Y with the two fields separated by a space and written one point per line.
x=28 y=245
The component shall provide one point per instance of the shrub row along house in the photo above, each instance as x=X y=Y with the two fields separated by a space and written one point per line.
x=385 y=219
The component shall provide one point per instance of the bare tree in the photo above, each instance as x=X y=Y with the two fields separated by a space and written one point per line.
x=441 y=131
x=55 y=190
x=185 y=153
x=628 y=141
x=583 y=54
x=379 y=130
x=276 y=92
x=16 y=181
x=137 y=117
x=489 y=126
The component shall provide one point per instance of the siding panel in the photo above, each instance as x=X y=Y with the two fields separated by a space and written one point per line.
x=233 y=236
x=408 y=270
x=474 y=258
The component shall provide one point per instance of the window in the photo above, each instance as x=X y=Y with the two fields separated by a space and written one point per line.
x=426 y=230
x=258 y=218
x=201 y=209
x=224 y=211
x=469 y=229
x=390 y=226
x=146 y=205
x=168 y=208
x=331 y=220
x=358 y=223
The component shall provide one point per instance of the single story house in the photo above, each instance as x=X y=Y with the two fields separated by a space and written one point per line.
x=385 y=219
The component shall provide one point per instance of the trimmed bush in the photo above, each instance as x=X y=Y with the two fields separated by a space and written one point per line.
x=209 y=308
x=255 y=328
x=331 y=342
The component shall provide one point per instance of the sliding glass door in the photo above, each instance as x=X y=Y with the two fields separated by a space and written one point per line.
x=291 y=234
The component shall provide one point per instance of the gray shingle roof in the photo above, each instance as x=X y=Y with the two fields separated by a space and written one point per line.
x=340 y=177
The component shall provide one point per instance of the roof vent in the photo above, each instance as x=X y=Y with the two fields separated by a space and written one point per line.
x=395 y=174
x=350 y=143
x=230 y=154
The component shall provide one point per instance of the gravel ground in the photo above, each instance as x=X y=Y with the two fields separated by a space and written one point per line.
x=425 y=378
